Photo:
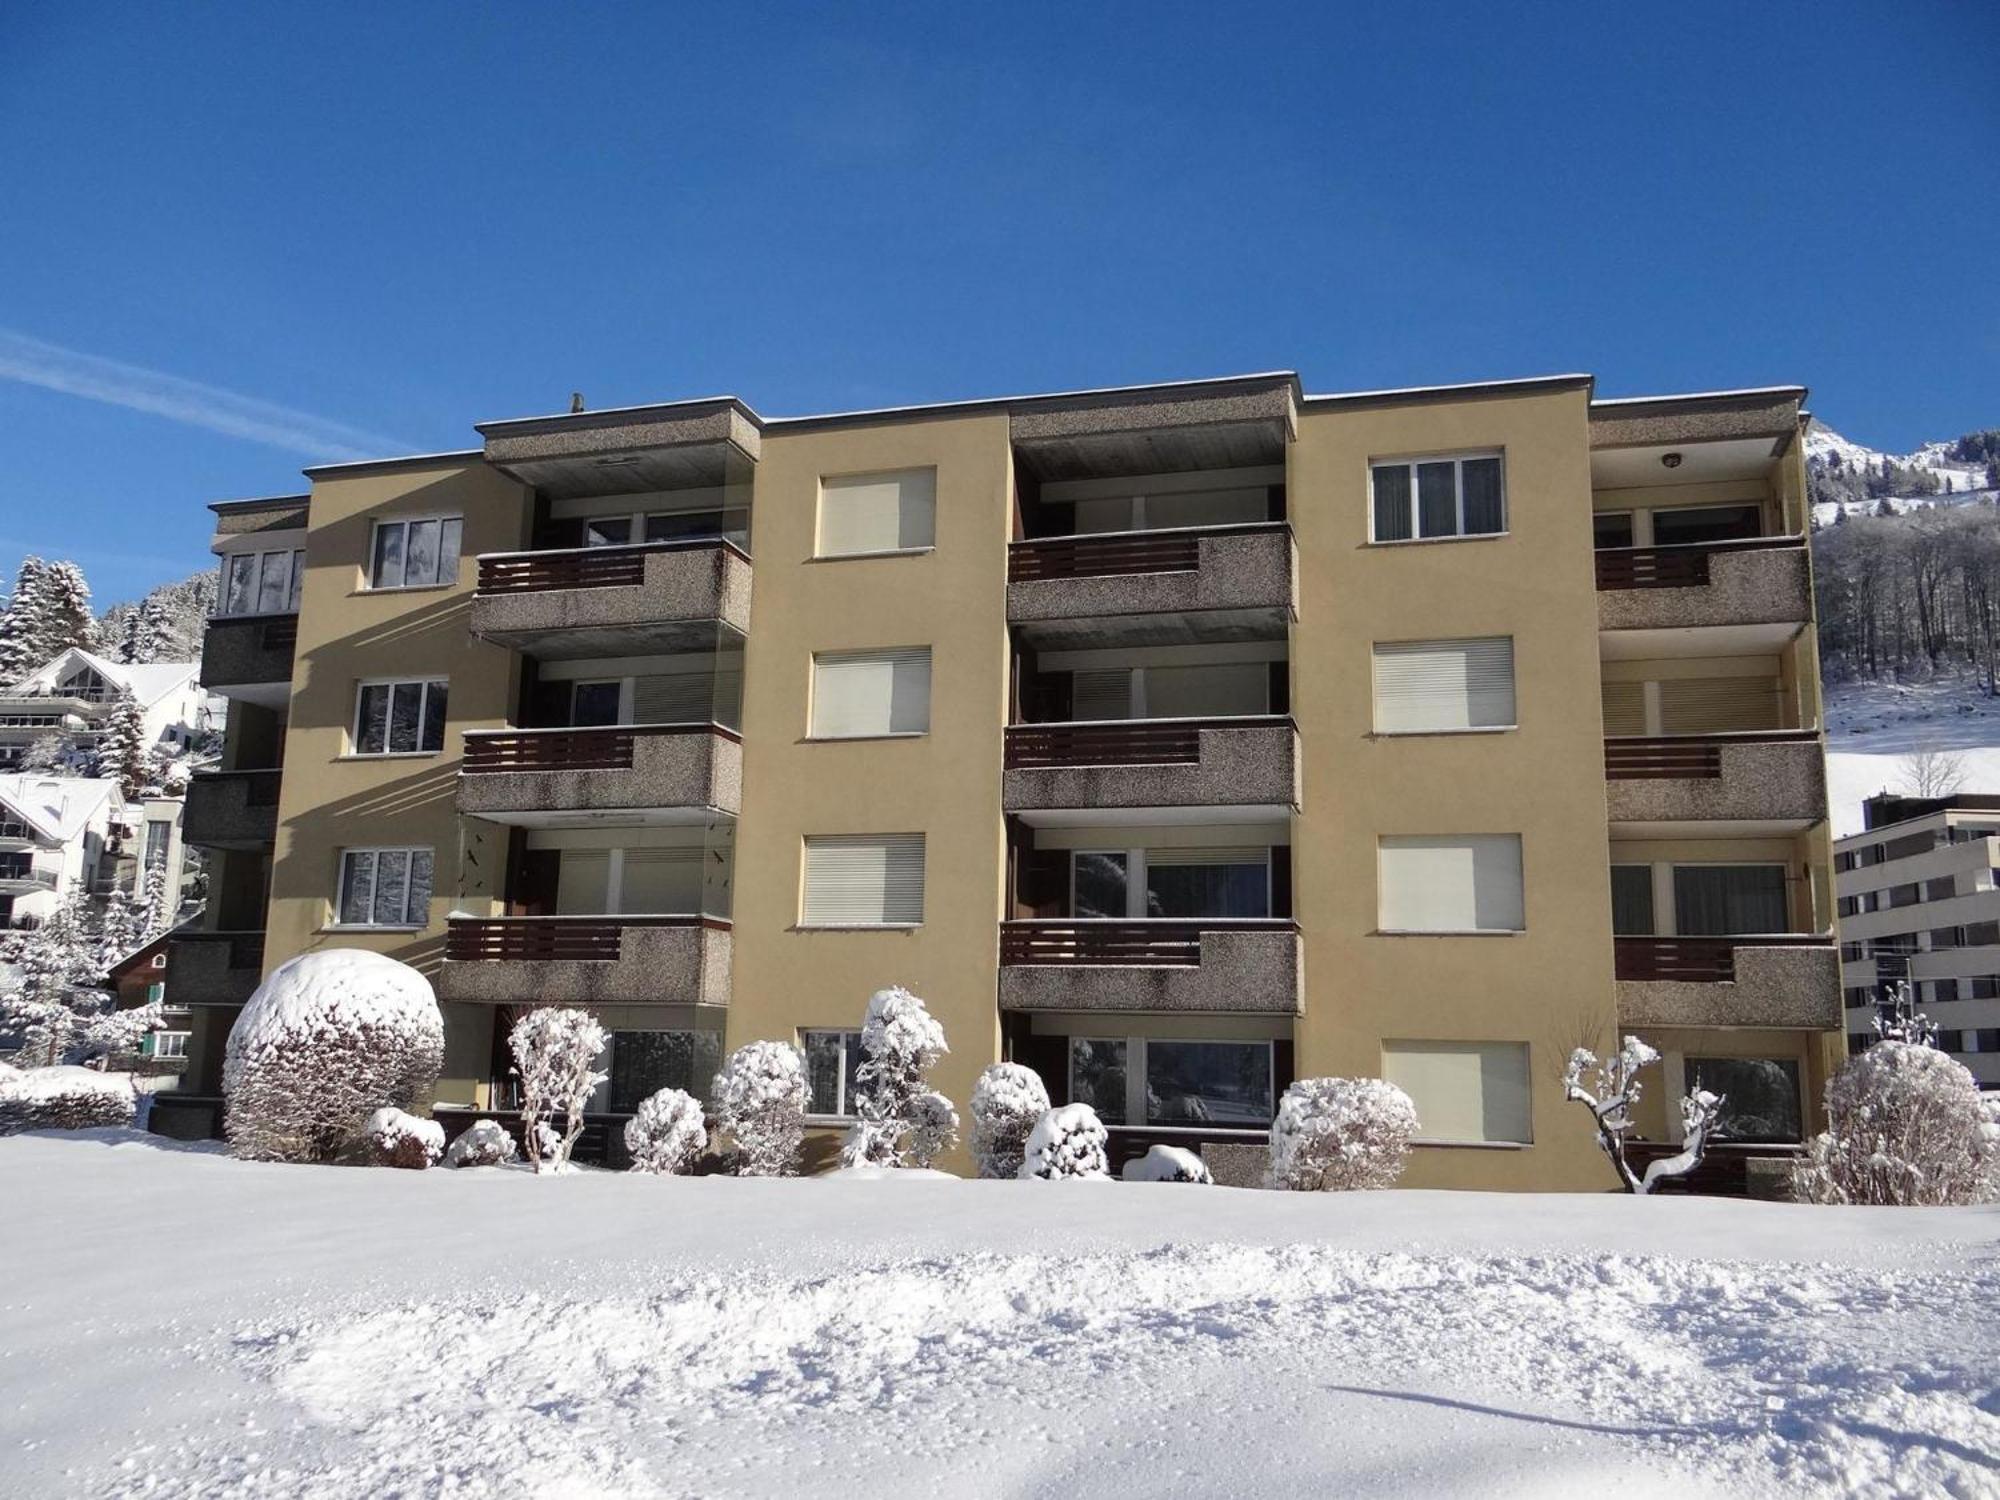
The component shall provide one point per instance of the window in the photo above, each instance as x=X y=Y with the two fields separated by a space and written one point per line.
x=1464 y=1091
x=1208 y=1083
x=414 y=554
x=1726 y=900
x=1097 y=1076
x=1450 y=883
x=1982 y=934
x=644 y=1062
x=1099 y=883
x=1857 y=995
x=864 y=880
x=1904 y=895
x=859 y=694
x=262 y=583
x=864 y=513
x=1706 y=523
x=1128 y=883
x=594 y=703
x=384 y=888
x=156 y=992
x=170 y=1043
x=607 y=531
x=1427 y=686
x=1432 y=497
x=399 y=718
x=1718 y=705
x=1632 y=901
x=1944 y=989
x=1760 y=1096
x=1611 y=528
x=159 y=835
x=1946 y=937
x=831 y=1058
x=1941 y=889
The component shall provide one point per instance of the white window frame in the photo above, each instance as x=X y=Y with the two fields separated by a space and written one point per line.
x=813 y=692
x=820 y=554
x=354 y=750
x=846 y=1112
x=295 y=562
x=162 y=1038
x=1135 y=1079
x=375 y=851
x=1458 y=462
x=368 y=583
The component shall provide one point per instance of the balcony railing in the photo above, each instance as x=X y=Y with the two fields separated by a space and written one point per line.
x=1110 y=742
x=599 y=748
x=594 y=939
x=1698 y=960
x=1689 y=757
x=583 y=567
x=1146 y=943
x=1112 y=554
x=27 y=875
x=1675 y=567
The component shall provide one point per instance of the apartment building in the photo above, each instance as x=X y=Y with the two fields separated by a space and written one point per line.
x=1176 y=741
x=1919 y=901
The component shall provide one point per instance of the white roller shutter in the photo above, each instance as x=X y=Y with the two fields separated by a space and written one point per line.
x=1624 y=708
x=1441 y=685
x=661 y=882
x=583 y=888
x=676 y=698
x=1450 y=883
x=861 y=693
x=877 y=512
x=864 y=879
x=1718 y=705
x=1463 y=1091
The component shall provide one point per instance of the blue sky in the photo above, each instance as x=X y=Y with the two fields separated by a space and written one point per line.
x=239 y=238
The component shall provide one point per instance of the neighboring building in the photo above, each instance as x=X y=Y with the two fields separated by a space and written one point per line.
x=1176 y=741
x=71 y=695
x=1918 y=901
x=140 y=978
x=58 y=835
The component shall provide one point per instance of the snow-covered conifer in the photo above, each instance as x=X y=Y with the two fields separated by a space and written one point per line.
x=1067 y=1142
x=323 y=1042
x=64 y=1098
x=900 y=1042
x=122 y=750
x=20 y=623
x=555 y=1054
x=54 y=998
x=1905 y=1125
x=65 y=618
x=760 y=1100
x=1167 y=1164
x=49 y=752
x=483 y=1143
x=1341 y=1135
x=1006 y=1102
x=667 y=1134
x=1609 y=1089
x=396 y=1139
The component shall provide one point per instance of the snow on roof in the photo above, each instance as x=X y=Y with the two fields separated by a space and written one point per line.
x=148 y=682
x=57 y=807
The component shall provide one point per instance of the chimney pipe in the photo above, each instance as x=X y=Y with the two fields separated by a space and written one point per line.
x=575 y=402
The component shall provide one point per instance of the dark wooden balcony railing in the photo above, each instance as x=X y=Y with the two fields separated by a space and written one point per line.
x=1120 y=552
x=1137 y=742
x=605 y=748
x=583 y=567
x=1684 y=757
x=1677 y=567
x=1698 y=960
x=552 y=939
x=1151 y=943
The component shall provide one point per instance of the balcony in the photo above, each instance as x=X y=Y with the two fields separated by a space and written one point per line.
x=593 y=960
x=1226 y=762
x=1763 y=980
x=1214 y=966
x=232 y=809
x=250 y=657
x=613 y=601
x=1136 y=588
x=517 y=775
x=20 y=877
x=214 y=968
x=1763 y=776
x=1759 y=581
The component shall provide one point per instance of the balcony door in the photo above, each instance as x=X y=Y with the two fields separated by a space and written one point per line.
x=1170 y=883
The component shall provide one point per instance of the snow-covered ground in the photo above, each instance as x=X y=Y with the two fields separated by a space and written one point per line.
x=176 y=1323
x=1871 y=726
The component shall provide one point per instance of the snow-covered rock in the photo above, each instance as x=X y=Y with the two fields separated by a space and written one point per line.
x=483 y=1143
x=64 y=1098
x=396 y=1139
x=1338 y=1134
x=1163 y=1163
x=667 y=1134
x=1067 y=1142
x=1006 y=1102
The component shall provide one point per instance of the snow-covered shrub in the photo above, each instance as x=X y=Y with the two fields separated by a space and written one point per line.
x=667 y=1134
x=396 y=1139
x=1341 y=1135
x=323 y=1042
x=1006 y=1102
x=1905 y=1125
x=1066 y=1142
x=1610 y=1088
x=555 y=1054
x=760 y=1099
x=483 y=1143
x=1167 y=1164
x=64 y=1098
x=900 y=1042
x=933 y=1128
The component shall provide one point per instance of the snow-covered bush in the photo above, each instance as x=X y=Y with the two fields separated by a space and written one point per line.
x=1167 y=1164
x=396 y=1139
x=555 y=1054
x=1066 y=1142
x=760 y=1099
x=933 y=1128
x=1610 y=1088
x=1006 y=1102
x=1341 y=1135
x=483 y=1143
x=64 y=1098
x=1905 y=1125
x=323 y=1042
x=900 y=1042
x=667 y=1134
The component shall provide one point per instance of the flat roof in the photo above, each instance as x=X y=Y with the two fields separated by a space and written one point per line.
x=264 y=502
x=1752 y=392
x=407 y=460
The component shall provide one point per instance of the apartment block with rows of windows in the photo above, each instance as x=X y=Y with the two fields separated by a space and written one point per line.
x=1919 y=893
x=1175 y=741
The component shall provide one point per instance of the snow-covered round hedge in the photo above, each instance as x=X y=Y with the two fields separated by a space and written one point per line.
x=324 y=1041
x=760 y=1099
x=396 y=1139
x=1906 y=1125
x=1066 y=1143
x=1341 y=1134
x=483 y=1143
x=901 y=1041
x=1167 y=1164
x=667 y=1134
x=64 y=1098
x=1007 y=1100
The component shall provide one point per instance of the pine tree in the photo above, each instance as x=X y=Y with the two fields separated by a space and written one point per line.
x=20 y=622
x=122 y=748
x=66 y=618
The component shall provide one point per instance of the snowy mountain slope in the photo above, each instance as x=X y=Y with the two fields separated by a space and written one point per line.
x=1928 y=477
x=1822 y=442
x=1872 y=726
